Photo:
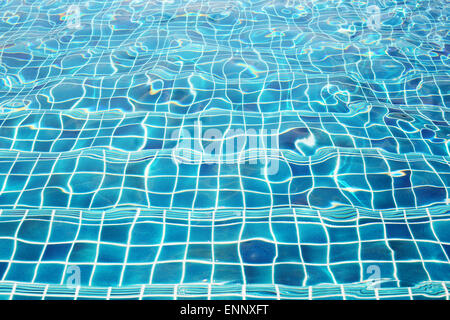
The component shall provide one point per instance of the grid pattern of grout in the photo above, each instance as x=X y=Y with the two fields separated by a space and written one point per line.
x=288 y=249
x=90 y=119
x=417 y=131
x=426 y=291
x=96 y=179
x=257 y=56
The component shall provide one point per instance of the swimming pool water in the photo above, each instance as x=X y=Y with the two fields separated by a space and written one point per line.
x=106 y=188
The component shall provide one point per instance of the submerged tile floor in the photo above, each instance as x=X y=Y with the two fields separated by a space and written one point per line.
x=106 y=190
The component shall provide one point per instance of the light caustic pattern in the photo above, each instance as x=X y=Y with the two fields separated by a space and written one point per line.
x=91 y=111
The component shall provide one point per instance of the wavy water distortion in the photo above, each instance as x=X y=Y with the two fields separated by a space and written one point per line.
x=107 y=109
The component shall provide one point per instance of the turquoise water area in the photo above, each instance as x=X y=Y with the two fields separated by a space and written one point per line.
x=106 y=190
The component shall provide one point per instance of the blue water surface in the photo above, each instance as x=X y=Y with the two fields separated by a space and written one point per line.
x=107 y=189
